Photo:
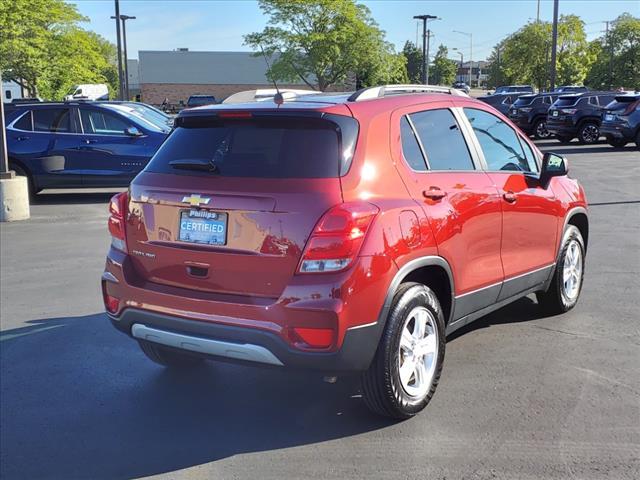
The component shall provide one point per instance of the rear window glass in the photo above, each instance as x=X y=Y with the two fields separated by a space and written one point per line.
x=51 y=120
x=260 y=148
x=410 y=147
x=24 y=123
x=524 y=101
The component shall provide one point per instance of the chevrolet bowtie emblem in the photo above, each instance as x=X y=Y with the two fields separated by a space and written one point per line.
x=195 y=200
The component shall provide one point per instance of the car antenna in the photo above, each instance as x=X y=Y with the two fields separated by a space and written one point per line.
x=277 y=98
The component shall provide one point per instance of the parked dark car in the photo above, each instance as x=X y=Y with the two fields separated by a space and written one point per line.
x=529 y=112
x=199 y=100
x=80 y=144
x=500 y=101
x=571 y=89
x=621 y=120
x=578 y=115
x=462 y=86
x=522 y=89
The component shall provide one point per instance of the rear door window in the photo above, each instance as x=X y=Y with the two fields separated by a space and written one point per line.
x=52 y=120
x=442 y=141
x=410 y=148
x=499 y=142
x=24 y=122
x=266 y=147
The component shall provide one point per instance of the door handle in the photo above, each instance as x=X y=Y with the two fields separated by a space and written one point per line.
x=22 y=138
x=434 y=193
x=510 y=196
x=89 y=141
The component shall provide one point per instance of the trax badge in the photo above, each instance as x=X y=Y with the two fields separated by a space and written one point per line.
x=194 y=200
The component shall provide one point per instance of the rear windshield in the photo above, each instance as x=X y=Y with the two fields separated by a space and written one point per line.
x=566 y=101
x=524 y=101
x=200 y=101
x=265 y=147
x=622 y=103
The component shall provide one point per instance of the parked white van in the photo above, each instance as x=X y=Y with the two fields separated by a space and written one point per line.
x=88 y=91
x=11 y=91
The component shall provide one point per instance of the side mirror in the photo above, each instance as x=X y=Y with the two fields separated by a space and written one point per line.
x=553 y=165
x=133 y=132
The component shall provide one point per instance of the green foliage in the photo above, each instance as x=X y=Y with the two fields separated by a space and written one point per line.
x=443 y=71
x=323 y=42
x=525 y=55
x=414 y=59
x=619 y=55
x=43 y=49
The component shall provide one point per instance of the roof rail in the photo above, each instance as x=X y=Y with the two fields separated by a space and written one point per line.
x=386 y=90
x=264 y=94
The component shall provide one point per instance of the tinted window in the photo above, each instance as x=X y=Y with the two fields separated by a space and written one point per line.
x=24 y=123
x=442 y=140
x=507 y=100
x=410 y=148
x=500 y=144
x=524 y=101
x=7 y=94
x=102 y=123
x=51 y=120
x=261 y=148
x=566 y=101
x=605 y=99
x=529 y=155
x=593 y=100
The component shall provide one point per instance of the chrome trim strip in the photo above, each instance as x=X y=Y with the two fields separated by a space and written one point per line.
x=239 y=351
x=529 y=272
x=480 y=289
x=362 y=326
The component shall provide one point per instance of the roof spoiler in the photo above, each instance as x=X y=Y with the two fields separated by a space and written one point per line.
x=386 y=90
x=264 y=94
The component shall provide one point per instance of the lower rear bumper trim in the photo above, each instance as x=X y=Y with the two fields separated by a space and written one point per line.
x=238 y=351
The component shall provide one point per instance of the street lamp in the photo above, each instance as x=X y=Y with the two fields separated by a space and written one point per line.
x=425 y=45
x=470 y=35
x=124 y=18
x=119 y=48
x=461 y=57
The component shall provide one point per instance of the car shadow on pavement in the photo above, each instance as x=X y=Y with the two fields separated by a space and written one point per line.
x=75 y=198
x=79 y=400
x=568 y=149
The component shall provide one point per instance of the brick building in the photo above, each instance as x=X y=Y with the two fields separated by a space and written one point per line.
x=177 y=74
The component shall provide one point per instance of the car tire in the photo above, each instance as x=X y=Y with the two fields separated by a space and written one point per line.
x=616 y=142
x=566 y=284
x=167 y=356
x=414 y=336
x=564 y=138
x=638 y=139
x=589 y=133
x=21 y=172
x=540 y=131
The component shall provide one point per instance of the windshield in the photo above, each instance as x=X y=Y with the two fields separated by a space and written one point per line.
x=260 y=148
x=193 y=101
x=524 y=101
x=149 y=119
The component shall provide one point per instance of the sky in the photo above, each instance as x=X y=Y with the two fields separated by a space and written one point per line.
x=220 y=24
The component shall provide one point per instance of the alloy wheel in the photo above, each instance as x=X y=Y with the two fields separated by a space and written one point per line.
x=418 y=352
x=590 y=134
x=572 y=270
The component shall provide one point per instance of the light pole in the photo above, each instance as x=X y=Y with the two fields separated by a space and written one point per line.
x=461 y=58
x=119 y=48
x=124 y=18
x=470 y=35
x=554 y=45
x=425 y=47
x=4 y=162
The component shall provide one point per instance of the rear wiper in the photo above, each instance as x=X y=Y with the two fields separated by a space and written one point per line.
x=194 y=164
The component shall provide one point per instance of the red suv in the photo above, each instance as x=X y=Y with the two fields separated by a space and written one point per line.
x=340 y=233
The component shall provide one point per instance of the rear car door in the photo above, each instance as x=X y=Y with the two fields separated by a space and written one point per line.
x=459 y=199
x=110 y=156
x=530 y=212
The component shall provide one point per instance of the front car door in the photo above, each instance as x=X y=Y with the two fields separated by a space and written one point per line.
x=459 y=199
x=530 y=212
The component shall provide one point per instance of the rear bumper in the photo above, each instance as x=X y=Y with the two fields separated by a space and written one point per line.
x=240 y=344
x=232 y=326
x=617 y=130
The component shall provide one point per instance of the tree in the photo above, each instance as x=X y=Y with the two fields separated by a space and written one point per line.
x=617 y=58
x=444 y=69
x=43 y=49
x=322 y=42
x=525 y=55
x=414 y=62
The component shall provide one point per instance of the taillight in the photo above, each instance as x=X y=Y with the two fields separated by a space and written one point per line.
x=569 y=111
x=337 y=238
x=117 y=220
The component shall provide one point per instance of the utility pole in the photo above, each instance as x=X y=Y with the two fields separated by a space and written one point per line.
x=554 y=45
x=119 y=48
x=425 y=52
x=610 y=45
x=427 y=57
x=470 y=35
x=538 y=14
x=124 y=18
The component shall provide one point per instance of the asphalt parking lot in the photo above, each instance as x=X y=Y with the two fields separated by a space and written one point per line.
x=521 y=397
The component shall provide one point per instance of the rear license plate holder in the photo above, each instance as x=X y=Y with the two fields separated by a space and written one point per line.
x=203 y=227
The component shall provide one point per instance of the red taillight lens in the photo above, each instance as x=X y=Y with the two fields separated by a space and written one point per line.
x=118 y=207
x=315 y=337
x=337 y=238
x=112 y=304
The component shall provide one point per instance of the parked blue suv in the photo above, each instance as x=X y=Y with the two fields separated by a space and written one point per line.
x=81 y=144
